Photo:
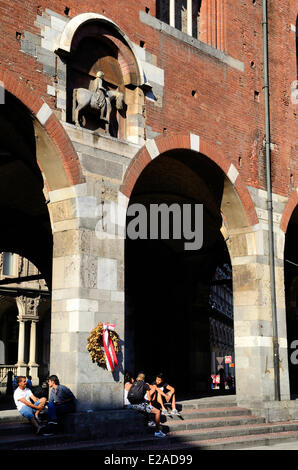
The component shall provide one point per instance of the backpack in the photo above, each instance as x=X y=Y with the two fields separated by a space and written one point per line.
x=136 y=392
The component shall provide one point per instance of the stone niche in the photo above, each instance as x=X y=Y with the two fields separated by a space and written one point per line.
x=98 y=47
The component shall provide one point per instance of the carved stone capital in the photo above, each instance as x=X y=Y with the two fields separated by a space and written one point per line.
x=28 y=307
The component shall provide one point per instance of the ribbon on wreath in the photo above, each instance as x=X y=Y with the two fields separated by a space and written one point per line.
x=111 y=358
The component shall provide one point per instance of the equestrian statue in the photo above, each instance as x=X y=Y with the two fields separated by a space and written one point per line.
x=98 y=98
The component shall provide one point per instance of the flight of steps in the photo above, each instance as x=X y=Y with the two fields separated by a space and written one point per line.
x=205 y=424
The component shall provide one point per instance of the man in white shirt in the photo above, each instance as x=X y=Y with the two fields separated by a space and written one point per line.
x=22 y=398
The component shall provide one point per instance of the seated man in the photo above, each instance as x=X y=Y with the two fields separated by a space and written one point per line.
x=22 y=398
x=165 y=393
x=136 y=395
x=61 y=400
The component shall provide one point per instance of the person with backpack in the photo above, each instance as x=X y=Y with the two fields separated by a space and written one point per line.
x=137 y=400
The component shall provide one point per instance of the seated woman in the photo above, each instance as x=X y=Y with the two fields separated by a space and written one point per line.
x=164 y=393
x=128 y=381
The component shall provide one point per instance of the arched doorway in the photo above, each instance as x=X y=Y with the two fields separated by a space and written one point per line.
x=179 y=308
x=291 y=294
x=26 y=241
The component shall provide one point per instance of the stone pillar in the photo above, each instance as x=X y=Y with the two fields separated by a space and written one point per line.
x=220 y=25
x=87 y=289
x=189 y=17
x=21 y=366
x=212 y=29
x=32 y=353
x=172 y=13
x=253 y=327
x=28 y=308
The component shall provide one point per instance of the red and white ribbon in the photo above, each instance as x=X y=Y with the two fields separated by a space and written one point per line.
x=111 y=358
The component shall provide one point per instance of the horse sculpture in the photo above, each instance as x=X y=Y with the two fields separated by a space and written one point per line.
x=100 y=102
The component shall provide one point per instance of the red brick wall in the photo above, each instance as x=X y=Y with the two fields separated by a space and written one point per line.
x=223 y=111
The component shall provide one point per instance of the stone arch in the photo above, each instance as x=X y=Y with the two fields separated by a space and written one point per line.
x=75 y=23
x=55 y=153
x=234 y=191
x=288 y=211
x=247 y=239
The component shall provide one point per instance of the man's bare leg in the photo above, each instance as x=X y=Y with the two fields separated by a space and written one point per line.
x=156 y=413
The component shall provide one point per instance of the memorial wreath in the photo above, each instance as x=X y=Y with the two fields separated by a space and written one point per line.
x=103 y=346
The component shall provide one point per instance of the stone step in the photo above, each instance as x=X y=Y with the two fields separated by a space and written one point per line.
x=211 y=422
x=207 y=402
x=228 y=443
x=7 y=416
x=207 y=413
x=15 y=428
x=33 y=441
x=198 y=427
x=218 y=439
x=232 y=430
x=225 y=443
x=190 y=419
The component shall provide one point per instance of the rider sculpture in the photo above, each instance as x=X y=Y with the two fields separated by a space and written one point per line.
x=98 y=98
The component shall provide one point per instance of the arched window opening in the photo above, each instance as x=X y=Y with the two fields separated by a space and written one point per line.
x=102 y=81
x=181 y=14
x=8 y=264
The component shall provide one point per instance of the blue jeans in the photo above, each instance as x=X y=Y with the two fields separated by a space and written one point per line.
x=55 y=411
x=29 y=413
x=51 y=412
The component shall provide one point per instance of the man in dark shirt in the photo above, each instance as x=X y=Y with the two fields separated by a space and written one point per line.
x=165 y=393
x=61 y=397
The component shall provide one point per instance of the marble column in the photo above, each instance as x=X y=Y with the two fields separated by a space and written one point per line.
x=32 y=353
x=172 y=13
x=189 y=17
x=21 y=366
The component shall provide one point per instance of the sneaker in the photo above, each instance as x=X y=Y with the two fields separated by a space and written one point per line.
x=165 y=413
x=38 y=420
x=47 y=430
x=175 y=412
x=160 y=434
x=151 y=424
x=39 y=429
x=52 y=422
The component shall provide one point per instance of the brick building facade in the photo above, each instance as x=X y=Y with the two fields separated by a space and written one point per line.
x=192 y=130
